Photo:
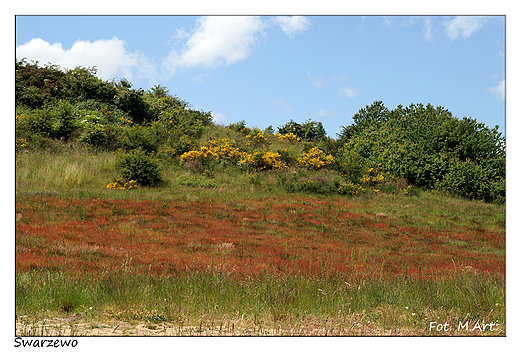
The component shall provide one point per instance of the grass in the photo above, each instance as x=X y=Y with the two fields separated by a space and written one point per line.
x=269 y=302
x=233 y=253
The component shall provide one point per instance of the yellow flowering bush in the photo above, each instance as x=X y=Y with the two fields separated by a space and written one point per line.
x=258 y=138
x=118 y=183
x=374 y=177
x=262 y=161
x=315 y=159
x=214 y=150
x=289 y=137
x=21 y=144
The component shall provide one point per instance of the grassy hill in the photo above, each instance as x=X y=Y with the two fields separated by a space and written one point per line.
x=132 y=208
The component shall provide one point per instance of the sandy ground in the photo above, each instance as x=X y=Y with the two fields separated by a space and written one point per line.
x=85 y=325
x=75 y=326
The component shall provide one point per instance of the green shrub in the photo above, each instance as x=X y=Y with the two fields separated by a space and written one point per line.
x=32 y=97
x=82 y=84
x=308 y=131
x=141 y=167
x=132 y=102
x=468 y=179
x=37 y=122
x=63 y=120
x=137 y=137
x=94 y=134
x=428 y=147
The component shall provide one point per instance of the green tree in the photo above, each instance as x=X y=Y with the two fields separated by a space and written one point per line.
x=429 y=147
x=310 y=131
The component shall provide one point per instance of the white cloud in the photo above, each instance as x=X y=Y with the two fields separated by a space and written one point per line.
x=387 y=21
x=499 y=90
x=109 y=56
x=293 y=25
x=427 y=29
x=217 y=40
x=465 y=25
x=218 y=118
x=316 y=81
x=280 y=106
x=348 y=91
x=321 y=113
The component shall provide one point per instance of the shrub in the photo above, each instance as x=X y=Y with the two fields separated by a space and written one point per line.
x=82 y=84
x=289 y=137
x=64 y=120
x=37 y=122
x=429 y=147
x=139 y=166
x=315 y=159
x=137 y=137
x=262 y=161
x=118 y=183
x=94 y=134
x=132 y=102
x=308 y=131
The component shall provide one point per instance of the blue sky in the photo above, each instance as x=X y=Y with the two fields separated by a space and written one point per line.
x=268 y=70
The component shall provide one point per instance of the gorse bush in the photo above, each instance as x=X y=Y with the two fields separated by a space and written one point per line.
x=315 y=159
x=118 y=183
x=140 y=167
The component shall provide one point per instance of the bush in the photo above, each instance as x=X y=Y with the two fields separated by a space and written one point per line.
x=94 y=134
x=82 y=84
x=64 y=120
x=308 y=131
x=315 y=159
x=37 y=122
x=137 y=137
x=139 y=166
x=428 y=147
x=132 y=101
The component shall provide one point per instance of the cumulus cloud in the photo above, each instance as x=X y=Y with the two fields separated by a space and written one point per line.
x=348 y=91
x=109 y=56
x=499 y=90
x=217 y=40
x=293 y=25
x=464 y=25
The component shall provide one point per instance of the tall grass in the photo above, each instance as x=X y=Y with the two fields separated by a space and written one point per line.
x=267 y=301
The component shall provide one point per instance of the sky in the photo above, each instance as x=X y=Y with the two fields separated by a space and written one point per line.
x=268 y=70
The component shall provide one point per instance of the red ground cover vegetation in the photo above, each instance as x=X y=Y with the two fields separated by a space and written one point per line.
x=293 y=235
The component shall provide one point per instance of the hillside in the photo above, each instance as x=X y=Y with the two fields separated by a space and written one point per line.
x=382 y=151
x=138 y=215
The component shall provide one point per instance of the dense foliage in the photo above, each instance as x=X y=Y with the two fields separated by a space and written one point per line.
x=430 y=148
x=382 y=151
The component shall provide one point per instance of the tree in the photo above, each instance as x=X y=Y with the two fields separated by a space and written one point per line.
x=429 y=147
x=310 y=131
